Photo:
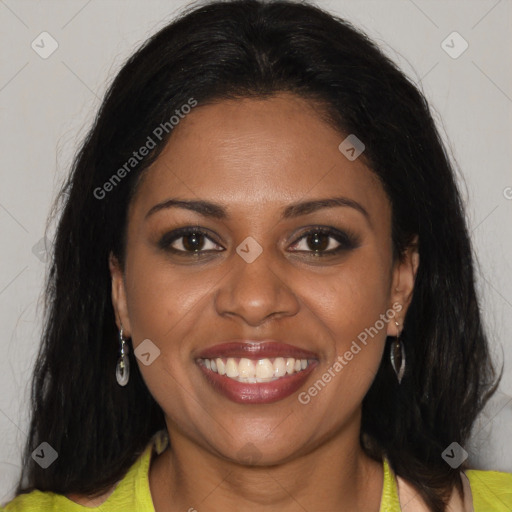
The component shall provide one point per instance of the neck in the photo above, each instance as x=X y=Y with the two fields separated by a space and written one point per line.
x=337 y=475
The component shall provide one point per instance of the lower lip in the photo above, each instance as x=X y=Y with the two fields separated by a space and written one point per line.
x=258 y=393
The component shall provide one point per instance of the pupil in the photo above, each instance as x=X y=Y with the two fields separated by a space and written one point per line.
x=193 y=241
x=320 y=241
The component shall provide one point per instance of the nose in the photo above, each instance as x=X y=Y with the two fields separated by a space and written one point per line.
x=256 y=291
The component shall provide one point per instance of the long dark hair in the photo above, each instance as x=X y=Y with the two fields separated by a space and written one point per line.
x=253 y=48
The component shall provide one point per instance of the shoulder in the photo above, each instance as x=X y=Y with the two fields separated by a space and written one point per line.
x=491 y=490
x=131 y=493
x=484 y=491
x=38 y=501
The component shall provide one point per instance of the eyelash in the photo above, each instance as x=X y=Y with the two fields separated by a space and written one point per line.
x=346 y=240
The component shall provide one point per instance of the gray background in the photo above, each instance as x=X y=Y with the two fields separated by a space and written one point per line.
x=47 y=106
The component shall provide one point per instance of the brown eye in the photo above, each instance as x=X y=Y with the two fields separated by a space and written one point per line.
x=193 y=241
x=188 y=240
x=324 y=242
x=317 y=241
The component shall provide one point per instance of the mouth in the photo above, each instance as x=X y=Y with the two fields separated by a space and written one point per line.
x=256 y=372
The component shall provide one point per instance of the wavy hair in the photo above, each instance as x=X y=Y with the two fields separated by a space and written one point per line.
x=240 y=49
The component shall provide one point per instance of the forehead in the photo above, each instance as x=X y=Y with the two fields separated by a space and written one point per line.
x=257 y=154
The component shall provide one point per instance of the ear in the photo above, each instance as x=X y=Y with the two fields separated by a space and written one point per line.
x=402 y=286
x=119 y=296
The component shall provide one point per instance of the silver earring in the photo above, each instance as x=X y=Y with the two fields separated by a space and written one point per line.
x=123 y=363
x=397 y=354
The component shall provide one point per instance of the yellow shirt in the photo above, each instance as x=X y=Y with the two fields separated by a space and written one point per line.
x=491 y=490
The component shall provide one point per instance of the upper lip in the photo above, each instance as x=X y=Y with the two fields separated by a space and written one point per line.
x=256 y=349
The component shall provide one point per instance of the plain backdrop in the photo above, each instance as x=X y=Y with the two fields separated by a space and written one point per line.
x=47 y=105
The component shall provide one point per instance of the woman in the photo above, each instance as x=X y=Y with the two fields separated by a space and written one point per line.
x=262 y=293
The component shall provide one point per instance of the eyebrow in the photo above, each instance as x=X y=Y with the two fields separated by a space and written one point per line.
x=216 y=211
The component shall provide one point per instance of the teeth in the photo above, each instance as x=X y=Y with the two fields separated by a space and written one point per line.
x=280 y=367
x=246 y=368
x=253 y=371
x=264 y=369
x=231 y=368
x=221 y=367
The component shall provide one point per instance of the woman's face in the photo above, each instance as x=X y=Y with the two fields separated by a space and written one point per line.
x=260 y=272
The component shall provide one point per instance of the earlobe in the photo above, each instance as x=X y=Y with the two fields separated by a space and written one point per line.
x=412 y=263
x=119 y=295
x=403 y=282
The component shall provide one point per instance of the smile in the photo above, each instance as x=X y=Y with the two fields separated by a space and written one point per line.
x=255 y=371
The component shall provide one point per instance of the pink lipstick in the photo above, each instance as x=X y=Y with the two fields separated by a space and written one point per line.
x=257 y=372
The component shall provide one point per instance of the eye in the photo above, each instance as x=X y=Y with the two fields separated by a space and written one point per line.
x=319 y=241
x=323 y=241
x=190 y=240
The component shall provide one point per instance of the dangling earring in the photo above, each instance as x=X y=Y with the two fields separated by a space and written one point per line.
x=123 y=363
x=397 y=354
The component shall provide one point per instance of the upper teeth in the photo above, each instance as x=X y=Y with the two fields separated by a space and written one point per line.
x=261 y=370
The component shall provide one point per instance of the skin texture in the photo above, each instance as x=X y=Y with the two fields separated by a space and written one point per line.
x=255 y=157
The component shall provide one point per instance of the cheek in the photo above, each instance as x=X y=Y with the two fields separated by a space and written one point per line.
x=342 y=305
x=162 y=306
x=160 y=299
x=352 y=297
x=354 y=308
